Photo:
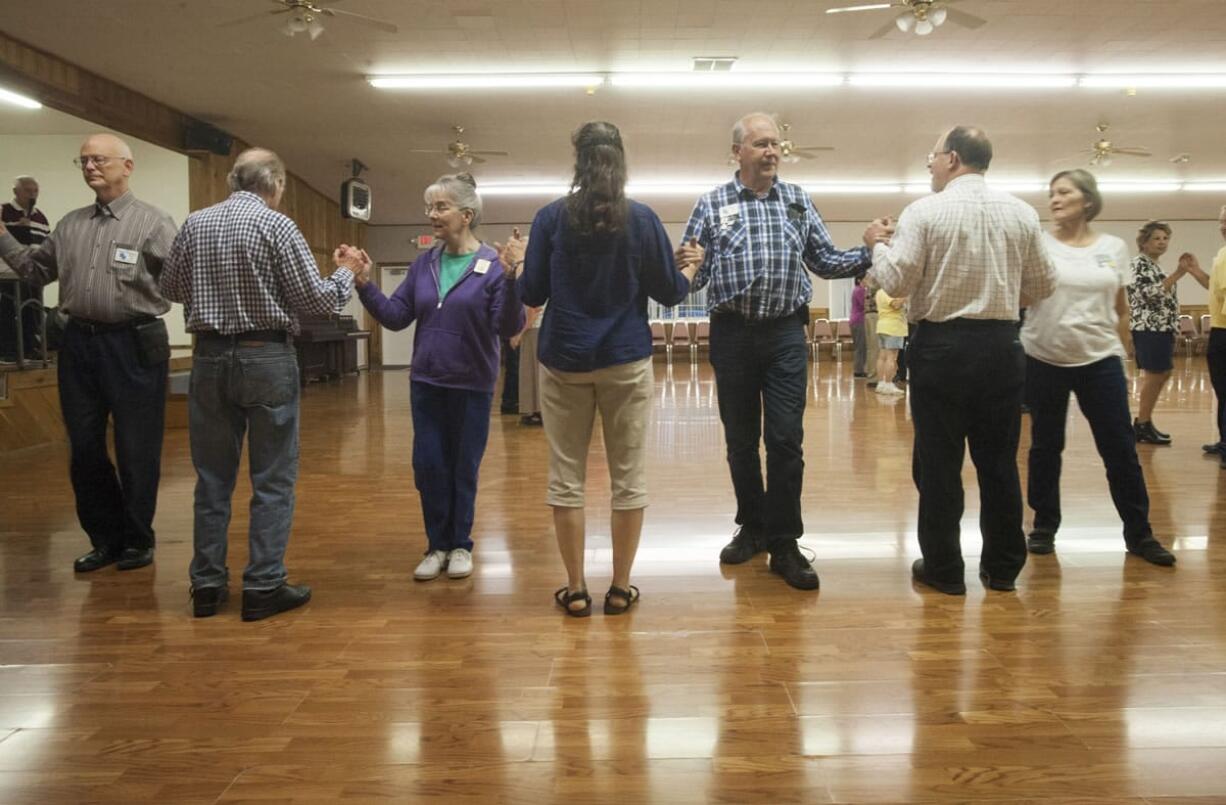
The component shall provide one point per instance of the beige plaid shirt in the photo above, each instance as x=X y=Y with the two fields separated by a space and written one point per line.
x=966 y=252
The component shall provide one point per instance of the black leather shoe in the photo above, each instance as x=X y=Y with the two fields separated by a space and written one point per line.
x=745 y=545
x=948 y=587
x=260 y=604
x=1000 y=585
x=207 y=600
x=132 y=558
x=94 y=560
x=1041 y=542
x=1214 y=449
x=1146 y=433
x=1152 y=551
x=1161 y=434
x=787 y=561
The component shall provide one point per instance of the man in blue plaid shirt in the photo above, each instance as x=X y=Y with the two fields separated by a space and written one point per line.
x=754 y=238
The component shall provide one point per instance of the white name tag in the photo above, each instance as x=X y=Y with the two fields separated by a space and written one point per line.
x=729 y=214
x=481 y=267
x=126 y=256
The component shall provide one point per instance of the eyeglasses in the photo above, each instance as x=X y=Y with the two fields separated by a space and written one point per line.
x=99 y=162
x=933 y=156
x=441 y=207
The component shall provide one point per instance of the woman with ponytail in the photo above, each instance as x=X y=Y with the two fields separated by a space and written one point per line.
x=596 y=257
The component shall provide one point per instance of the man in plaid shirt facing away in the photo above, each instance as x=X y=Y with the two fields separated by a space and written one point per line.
x=243 y=272
x=754 y=238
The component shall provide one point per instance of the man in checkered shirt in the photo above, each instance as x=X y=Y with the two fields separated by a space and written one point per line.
x=244 y=272
x=753 y=239
x=968 y=258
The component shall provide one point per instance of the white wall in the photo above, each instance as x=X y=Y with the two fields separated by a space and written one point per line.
x=160 y=178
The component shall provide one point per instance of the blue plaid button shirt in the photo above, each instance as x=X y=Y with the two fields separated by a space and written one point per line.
x=757 y=249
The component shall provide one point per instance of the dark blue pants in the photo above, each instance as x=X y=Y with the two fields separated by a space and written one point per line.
x=510 y=377
x=1102 y=395
x=101 y=378
x=966 y=391
x=450 y=429
x=761 y=379
x=1215 y=354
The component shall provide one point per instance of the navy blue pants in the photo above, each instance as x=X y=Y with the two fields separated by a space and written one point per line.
x=1215 y=353
x=102 y=378
x=450 y=429
x=1102 y=394
x=761 y=379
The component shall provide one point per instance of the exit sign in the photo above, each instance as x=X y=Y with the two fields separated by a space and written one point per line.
x=425 y=241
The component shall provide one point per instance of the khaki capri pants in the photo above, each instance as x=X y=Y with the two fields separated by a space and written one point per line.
x=569 y=402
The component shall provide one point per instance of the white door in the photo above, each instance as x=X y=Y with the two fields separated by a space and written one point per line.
x=397 y=346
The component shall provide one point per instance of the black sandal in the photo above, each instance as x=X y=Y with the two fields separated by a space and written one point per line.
x=631 y=595
x=565 y=598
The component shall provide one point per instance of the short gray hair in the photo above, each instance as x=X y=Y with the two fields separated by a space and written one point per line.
x=461 y=190
x=738 y=130
x=1084 y=181
x=259 y=171
x=20 y=180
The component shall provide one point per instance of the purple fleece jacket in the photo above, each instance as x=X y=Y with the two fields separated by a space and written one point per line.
x=456 y=344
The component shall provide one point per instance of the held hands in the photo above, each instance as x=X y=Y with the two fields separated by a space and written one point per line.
x=511 y=256
x=879 y=231
x=354 y=259
x=1188 y=264
x=689 y=255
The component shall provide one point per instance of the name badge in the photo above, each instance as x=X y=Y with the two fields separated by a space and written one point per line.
x=481 y=267
x=729 y=214
x=126 y=256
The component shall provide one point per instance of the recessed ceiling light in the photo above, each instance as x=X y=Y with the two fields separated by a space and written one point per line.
x=19 y=100
x=485 y=81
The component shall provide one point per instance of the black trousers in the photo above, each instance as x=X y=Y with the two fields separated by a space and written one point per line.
x=510 y=377
x=10 y=292
x=1215 y=353
x=101 y=378
x=1102 y=395
x=967 y=379
x=761 y=379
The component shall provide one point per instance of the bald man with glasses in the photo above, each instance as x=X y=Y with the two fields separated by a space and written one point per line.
x=113 y=362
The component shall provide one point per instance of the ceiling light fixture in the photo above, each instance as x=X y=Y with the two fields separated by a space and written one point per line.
x=486 y=81
x=871 y=7
x=1155 y=80
x=961 y=80
x=1205 y=187
x=19 y=100
x=718 y=80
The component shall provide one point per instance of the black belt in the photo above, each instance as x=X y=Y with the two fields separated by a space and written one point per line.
x=260 y=336
x=96 y=327
x=966 y=324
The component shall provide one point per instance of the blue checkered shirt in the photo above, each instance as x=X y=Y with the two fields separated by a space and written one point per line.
x=239 y=266
x=757 y=249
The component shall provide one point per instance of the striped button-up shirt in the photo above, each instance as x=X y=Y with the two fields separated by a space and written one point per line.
x=107 y=258
x=239 y=266
x=966 y=252
x=757 y=249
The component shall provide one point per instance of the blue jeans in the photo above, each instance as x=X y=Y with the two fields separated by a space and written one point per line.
x=237 y=390
x=1102 y=394
x=450 y=429
x=761 y=379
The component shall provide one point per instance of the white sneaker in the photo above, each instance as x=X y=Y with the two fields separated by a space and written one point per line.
x=431 y=566
x=884 y=388
x=459 y=564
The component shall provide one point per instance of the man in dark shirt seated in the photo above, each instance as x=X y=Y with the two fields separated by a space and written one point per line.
x=29 y=226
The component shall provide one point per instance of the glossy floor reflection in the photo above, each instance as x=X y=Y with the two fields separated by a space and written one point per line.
x=1103 y=680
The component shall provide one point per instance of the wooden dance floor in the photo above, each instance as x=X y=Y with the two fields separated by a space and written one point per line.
x=1103 y=680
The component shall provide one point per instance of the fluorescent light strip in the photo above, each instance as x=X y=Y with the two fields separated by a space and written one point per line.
x=486 y=81
x=673 y=80
x=962 y=80
x=1205 y=187
x=1139 y=187
x=872 y=7
x=1155 y=80
x=19 y=100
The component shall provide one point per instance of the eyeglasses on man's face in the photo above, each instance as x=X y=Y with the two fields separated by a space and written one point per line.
x=97 y=161
x=932 y=157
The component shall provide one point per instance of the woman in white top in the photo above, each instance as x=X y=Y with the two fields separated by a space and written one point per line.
x=1074 y=342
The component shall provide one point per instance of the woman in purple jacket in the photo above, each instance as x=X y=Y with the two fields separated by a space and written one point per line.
x=596 y=257
x=463 y=305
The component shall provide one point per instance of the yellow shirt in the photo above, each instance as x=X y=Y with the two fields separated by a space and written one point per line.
x=1217 y=290
x=891 y=321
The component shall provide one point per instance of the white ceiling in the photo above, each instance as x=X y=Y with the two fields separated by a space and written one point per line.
x=308 y=100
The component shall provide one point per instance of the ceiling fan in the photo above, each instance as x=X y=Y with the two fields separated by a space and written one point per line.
x=790 y=152
x=921 y=16
x=459 y=152
x=306 y=16
x=1102 y=150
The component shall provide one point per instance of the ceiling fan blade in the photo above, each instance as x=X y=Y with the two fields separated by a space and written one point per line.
x=257 y=16
x=883 y=30
x=1133 y=152
x=474 y=160
x=425 y=151
x=962 y=18
x=363 y=19
x=491 y=153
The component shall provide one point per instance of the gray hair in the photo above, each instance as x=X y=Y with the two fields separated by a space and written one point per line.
x=738 y=130
x=461 y=190
x=1084 y=181
x=259 y=171
x=20 y=180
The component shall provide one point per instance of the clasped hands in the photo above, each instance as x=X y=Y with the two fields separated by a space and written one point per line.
x=511 y=254
x=354 y=259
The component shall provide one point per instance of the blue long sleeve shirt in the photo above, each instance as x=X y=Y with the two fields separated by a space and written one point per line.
x=597 y=288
